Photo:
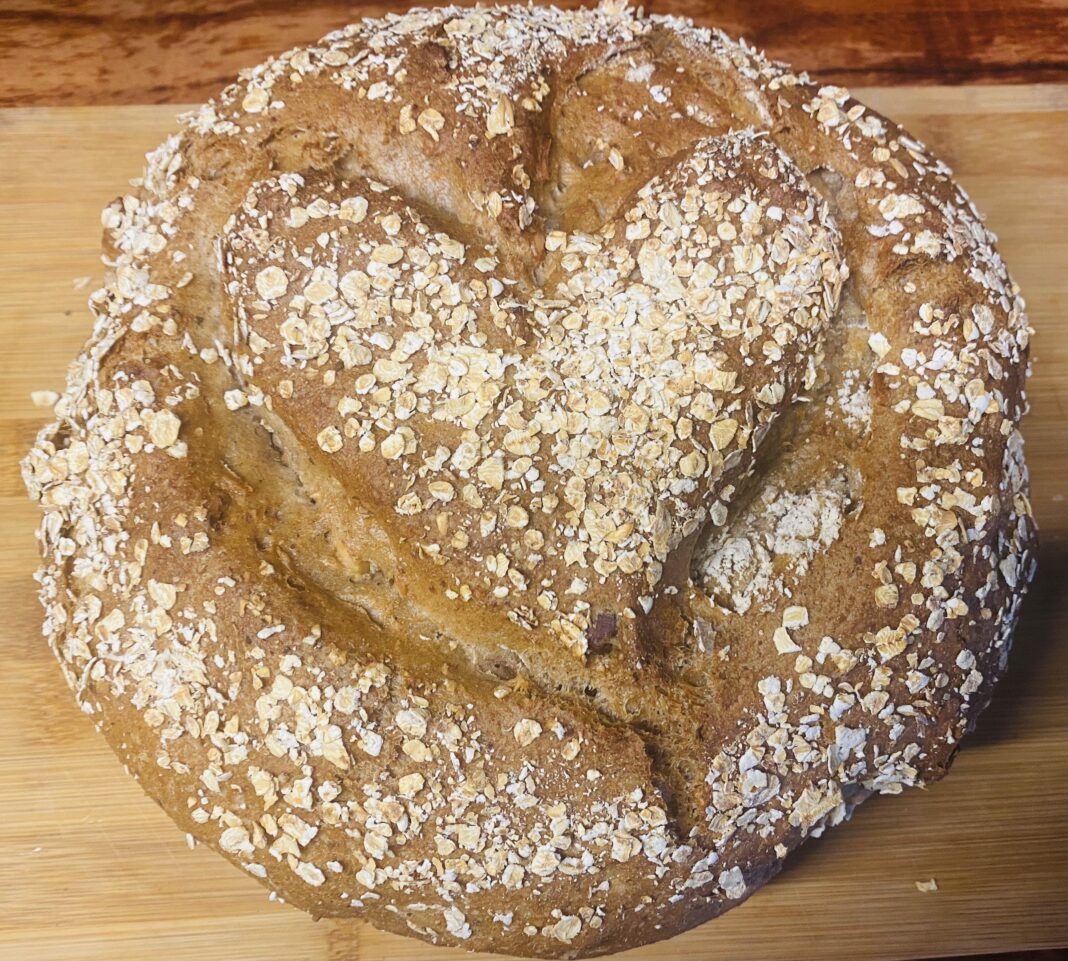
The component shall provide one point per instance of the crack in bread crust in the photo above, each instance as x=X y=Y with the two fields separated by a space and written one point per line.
x=487 y=507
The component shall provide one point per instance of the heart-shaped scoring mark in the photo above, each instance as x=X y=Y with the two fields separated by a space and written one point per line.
x=544 y=450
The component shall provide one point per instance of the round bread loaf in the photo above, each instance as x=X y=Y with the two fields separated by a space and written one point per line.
x=531 y=470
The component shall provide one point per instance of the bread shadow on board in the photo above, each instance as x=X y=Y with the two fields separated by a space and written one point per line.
x=1037 y=654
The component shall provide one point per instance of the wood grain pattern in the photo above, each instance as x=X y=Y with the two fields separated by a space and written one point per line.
x=127 y=52
x=89 y=868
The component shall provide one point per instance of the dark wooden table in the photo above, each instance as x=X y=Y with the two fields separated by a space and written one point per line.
x=179 y=51
x=112 y=52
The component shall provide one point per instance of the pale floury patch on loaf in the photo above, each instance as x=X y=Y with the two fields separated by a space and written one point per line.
x=531 y=470
x=773 y=543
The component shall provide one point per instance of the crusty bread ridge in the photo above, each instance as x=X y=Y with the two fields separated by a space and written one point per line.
x=531 y=470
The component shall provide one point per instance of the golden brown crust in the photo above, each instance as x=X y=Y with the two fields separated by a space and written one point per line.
x=531 y=470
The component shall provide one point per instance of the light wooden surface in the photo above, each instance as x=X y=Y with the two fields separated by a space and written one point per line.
x=89 y=868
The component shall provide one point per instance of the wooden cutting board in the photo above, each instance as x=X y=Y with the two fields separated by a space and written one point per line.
x=89 y=868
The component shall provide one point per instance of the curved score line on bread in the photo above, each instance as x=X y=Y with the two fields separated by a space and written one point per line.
x=766 y=555
x=543 y=453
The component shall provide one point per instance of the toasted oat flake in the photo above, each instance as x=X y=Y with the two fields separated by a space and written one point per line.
x=526 y=731
x=329 y=439
x=272 y=283
x=163 y=427
x=784 y=643
x=431 y=121
x=44 y=398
